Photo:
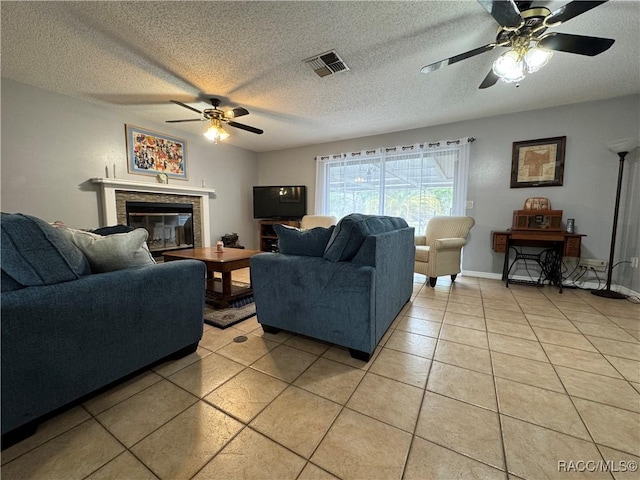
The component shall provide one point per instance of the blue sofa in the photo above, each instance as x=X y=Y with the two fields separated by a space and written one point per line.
x=344 y=285
x=68 y=332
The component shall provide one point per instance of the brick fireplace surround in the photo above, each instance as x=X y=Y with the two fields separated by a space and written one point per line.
x=116 y=192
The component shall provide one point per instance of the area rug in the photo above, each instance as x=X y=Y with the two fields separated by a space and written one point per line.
x=239 y=310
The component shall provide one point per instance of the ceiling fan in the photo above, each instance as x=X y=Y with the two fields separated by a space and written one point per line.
x=523 y=29
x=216 y=117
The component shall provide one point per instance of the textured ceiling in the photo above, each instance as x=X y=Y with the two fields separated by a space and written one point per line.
x=136 y=56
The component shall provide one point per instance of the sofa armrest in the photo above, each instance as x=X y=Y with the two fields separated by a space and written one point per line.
x=392 y=254
x=312 y=296
x=448 y=244
x=420 y=240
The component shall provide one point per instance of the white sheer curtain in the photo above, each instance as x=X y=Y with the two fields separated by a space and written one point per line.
x=415 y=182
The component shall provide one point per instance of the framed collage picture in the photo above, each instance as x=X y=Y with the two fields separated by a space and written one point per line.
x=153 y=153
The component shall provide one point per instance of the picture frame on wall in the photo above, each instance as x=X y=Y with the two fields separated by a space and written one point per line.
x=538 y=163
x=153 y=153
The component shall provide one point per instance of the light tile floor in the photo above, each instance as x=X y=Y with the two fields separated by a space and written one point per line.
x=472 y=380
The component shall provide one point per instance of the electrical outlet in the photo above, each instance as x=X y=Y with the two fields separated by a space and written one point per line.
x=593 y=263
x=634 y=262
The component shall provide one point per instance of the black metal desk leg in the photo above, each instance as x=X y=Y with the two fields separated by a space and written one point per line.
x=505 y=266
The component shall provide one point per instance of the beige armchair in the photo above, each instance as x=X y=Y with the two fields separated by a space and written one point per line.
x=438 y=252
x=312 y=221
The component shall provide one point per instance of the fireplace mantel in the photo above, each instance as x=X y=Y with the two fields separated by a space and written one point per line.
x=132 y=186
x=109 y=186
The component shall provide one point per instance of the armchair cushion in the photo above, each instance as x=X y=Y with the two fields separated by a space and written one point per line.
x=312 y=221
x=422 y=253
x=309 y=243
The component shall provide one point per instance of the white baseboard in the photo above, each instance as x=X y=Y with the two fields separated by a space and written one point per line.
x=489 y=275
x=585 y=285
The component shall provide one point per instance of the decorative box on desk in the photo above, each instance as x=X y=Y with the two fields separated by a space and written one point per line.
x=537 y=220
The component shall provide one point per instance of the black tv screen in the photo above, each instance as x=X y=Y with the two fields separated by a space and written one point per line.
x=284 y=201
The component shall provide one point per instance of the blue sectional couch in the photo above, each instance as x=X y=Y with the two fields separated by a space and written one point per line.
x=344 y=285
x=68 y=331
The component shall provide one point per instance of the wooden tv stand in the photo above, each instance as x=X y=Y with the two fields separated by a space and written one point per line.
x=268 y=237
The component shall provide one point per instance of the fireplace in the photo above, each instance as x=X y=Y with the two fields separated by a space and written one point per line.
x=117 y=192
x=170 y=225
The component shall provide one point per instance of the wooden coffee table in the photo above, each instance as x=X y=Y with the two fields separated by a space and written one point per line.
x=221 y=291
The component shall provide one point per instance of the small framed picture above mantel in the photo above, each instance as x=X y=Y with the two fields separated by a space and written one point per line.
x=538 y=163
x=153 y=153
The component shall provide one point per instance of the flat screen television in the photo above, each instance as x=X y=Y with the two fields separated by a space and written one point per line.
x=282 y=202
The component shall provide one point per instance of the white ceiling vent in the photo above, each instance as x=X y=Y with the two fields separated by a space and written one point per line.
x=326 y=64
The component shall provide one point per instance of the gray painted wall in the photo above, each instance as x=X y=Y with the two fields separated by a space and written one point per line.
x=53 y=144
x=590 y=173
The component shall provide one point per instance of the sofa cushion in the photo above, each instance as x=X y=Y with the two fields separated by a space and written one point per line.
x=310 y=243
x=351 y=231
x=34 y=253
x=8 y=283
x=112 y=252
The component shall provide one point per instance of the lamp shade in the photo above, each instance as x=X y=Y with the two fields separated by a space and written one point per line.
x=623 y=145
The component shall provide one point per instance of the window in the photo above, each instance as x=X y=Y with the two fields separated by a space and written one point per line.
x=415 y=182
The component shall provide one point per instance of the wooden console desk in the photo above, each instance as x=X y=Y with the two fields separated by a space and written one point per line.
x=562 y=244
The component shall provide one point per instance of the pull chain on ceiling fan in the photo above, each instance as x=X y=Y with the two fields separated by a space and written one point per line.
x=523 y=32
x=215 y=116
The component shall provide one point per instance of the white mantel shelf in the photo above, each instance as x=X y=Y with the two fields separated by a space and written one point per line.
x=152 y=187
x=109 y=186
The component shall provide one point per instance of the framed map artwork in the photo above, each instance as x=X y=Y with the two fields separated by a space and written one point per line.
x=153 y=153
x=538 y=163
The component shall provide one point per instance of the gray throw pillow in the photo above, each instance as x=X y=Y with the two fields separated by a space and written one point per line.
x=113 y=252
x=309 y=243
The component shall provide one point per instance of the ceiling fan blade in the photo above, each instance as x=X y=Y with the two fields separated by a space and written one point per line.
x=239 y=112
x=457 y=58
x=490 y=80
x=189 y=120
x=563 y=42
x=245 y=127
x=185 y=106
x=505 y=12
x=570 y=10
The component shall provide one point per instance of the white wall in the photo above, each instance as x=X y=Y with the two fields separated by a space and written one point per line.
x=53 y=144
x=590 y=172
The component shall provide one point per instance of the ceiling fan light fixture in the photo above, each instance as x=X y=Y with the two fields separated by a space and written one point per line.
x=536 y=58
x=509 y=66
x=215 y=132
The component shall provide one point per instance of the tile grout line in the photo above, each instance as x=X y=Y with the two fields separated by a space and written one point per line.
x=424 y=394
x=495 y=391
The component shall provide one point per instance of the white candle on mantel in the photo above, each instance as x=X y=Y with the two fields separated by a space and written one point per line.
x=114 y=170
x=203 y=183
